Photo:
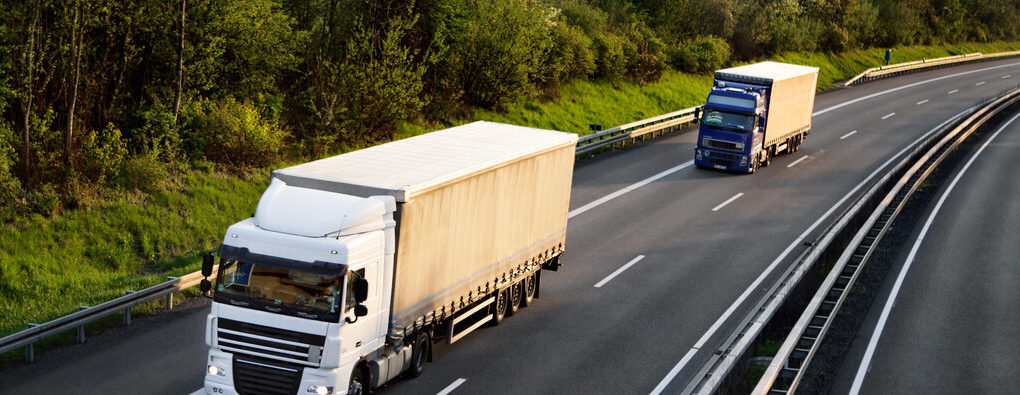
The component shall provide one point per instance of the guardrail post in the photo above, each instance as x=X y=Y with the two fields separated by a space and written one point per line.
x=170 y=296
x=81 y=328
x=30 y=348
x=127 y=311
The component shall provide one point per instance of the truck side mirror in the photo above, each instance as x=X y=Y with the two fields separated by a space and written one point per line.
x=207 y=264
x=697 y=115
x=360 y=291
x=360 y=310
x=205 y=286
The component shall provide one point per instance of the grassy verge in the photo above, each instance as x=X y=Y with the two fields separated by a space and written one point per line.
x=49 y=266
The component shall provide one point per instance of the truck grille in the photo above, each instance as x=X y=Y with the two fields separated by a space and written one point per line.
x=722 y=155
x=259 y=376
x=259 y=341
x=719 y=144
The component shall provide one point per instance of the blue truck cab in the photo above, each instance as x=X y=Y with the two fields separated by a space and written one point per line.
x=731 y=127
x=753 y=113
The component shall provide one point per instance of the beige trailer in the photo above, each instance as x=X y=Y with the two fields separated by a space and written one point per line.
x=791 y=95
x=479 y=207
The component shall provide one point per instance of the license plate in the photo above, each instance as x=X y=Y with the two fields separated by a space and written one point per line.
x=720 y=167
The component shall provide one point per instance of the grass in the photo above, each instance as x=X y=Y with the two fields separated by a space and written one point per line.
x=50 y=266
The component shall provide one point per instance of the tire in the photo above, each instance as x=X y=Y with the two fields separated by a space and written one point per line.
x=359 y=383
x=516 y=293
x=768 y=158
x=499 y=307
x=530 y=285
x=419 y=354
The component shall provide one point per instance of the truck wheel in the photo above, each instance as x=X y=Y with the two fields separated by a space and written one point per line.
x=419 y=354
x=359 y=384
x=768 y=158
x=530 y=284
x=499 y=307
x=516 y=293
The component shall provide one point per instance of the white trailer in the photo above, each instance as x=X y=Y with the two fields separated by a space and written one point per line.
x=354 y=265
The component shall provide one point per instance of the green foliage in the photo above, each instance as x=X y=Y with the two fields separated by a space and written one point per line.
x=156 y=133
x=502 y=49
x=10 y=186
x=101 y=154
x=144 y=172
x=372 y=86
x=700 y=55
x=231 y=133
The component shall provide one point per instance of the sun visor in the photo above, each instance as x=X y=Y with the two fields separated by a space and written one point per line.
x=318 y=267
x=314 y=213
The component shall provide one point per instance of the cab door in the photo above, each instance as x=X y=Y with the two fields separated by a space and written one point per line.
x=360 y=335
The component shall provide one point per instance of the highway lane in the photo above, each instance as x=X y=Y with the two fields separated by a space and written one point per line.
x=629 y=333
x=948 y=322
x=626 y=335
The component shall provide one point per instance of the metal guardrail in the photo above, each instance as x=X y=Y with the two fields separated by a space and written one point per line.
x=879 y=72
x=885 y=201
x=85 y=315
x=610 y=137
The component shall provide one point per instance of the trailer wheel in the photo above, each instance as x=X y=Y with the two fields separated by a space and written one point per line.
x=516 y=293
x=499 y=307
x=419 y=354
x=530 y=284
x=359 y=382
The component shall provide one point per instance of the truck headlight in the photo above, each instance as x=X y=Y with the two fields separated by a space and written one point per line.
x=697 y=154
x=743 y=160
x=319 y=389
x=216 y=371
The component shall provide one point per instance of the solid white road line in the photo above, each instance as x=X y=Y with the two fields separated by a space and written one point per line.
x=952 y=91
x=775 y=263
x=797 y=161
x=456 y=383
x=728 y=201
x=921 y=102
x=632 y=187
x=866 y=361
x=618 y=271
x=889 y=115
x=1006 y=76
x=848 y=134
x=863 y=98
x=979 y=83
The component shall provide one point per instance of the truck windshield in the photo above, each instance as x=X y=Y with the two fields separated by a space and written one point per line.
x=279 y=290
x=740 y=123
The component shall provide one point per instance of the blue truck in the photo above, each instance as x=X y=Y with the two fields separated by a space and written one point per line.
x=754 y=113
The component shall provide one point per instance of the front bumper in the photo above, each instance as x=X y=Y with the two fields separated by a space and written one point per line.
x=309 y=377
x=722 y=160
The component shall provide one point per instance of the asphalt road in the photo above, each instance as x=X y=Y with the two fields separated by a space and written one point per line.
x=948 y=316
x=703 y=263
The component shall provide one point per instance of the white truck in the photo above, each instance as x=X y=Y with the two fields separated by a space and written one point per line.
x=354 y=265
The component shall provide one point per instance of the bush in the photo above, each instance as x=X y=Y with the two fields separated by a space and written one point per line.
x=611 y=55
x=144 y=172
x=101 y=154
x=502 y=51
x=10 y=186
x=570 y=57
x=155 y=133
x=702 y=54
x=232 y=133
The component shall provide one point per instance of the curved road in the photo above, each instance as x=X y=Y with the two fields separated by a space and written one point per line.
x=949 y=323
x=709 y=244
